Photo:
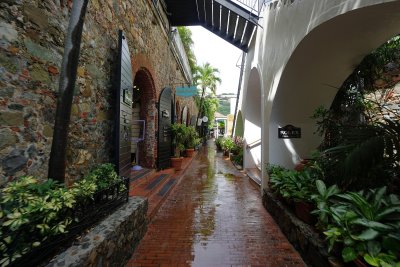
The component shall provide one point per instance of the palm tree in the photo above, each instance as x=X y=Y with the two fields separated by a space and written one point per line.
x=365 y=152
x=207 y=77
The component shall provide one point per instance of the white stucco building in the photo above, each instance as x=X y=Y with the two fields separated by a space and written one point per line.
x=302 y=53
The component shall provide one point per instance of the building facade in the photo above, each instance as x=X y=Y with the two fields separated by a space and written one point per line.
x=31 y=50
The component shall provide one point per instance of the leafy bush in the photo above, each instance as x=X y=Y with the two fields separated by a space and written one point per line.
x=33 y=212
x=192 y=137
x=227 y=144
x=296 y=185
x=218 y=142
x=178 y=137
x=238 y=147
x=238 y=158
x=366 y=223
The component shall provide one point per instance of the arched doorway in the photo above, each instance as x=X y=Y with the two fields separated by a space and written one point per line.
x=184 y=116
x=143 y=110
x=165 y=118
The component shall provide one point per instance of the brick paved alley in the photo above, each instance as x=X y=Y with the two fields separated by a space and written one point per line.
x=214 y=217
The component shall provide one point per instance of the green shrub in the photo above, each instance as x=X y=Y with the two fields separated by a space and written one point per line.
x=192 y=137
x=296 y=185
x=366 y=223
x=227 y=144
x=238 y=158
x=178 y=137
x=33 y=212
x=218 y=142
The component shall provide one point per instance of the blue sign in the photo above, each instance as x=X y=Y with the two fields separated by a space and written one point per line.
x=186 y=91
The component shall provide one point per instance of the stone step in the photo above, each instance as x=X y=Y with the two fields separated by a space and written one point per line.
x=140 y=177
x=151 y=185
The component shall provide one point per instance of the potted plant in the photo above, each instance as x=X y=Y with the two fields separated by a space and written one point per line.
x=227 y=145
x=192 y=140
x=178 y=140
x=218 y=143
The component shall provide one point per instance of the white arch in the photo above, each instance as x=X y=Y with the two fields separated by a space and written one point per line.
x=306 y=49
x=251 y=109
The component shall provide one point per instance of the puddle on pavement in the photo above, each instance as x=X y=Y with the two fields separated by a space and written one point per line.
x=212 y=188
x=209 y=254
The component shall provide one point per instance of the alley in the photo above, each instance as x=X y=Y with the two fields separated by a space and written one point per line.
x=214 y=217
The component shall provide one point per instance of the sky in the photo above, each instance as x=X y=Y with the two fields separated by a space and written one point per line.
x=209 y=47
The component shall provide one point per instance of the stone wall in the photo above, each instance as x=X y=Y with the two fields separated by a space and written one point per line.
x=112 y=242
x=306 y=241
x=31 y=49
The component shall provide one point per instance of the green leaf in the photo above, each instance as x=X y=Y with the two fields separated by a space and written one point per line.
x=368 y=234
x=349 y=254
x=371 y=260
x=373 y=225
x=321 y=187
x=374 y=248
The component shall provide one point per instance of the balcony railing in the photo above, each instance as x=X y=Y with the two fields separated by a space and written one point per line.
x=181 y=54
x=253 y=6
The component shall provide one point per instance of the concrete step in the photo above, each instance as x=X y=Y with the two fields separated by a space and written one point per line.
x=254 y=175
x=158 y=198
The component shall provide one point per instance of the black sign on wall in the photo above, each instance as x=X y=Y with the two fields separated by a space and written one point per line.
x=123 y=119
x=289 y=131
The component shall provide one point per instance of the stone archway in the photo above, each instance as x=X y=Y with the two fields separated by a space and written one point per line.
x=252 y=122
x=144 y=99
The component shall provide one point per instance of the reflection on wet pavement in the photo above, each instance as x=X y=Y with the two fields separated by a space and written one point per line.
x=214 y=217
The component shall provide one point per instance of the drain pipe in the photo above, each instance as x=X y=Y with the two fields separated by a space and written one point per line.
x=238 y=93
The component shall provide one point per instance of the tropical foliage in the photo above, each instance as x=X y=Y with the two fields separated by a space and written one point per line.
x=361 y=144
x=33 y=212
x=178 y=138
x=365 y=223
x=192 y=137
x=207 y=77
x=294 y=185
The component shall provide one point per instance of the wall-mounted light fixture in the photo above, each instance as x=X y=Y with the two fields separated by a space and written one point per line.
x=165 y=113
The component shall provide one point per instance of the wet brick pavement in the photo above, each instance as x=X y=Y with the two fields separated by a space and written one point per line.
x=214 y=217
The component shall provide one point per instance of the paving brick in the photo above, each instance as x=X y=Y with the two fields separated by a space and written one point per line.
x=214 y=219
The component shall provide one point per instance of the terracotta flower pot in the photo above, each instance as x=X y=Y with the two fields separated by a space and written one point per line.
x=359 y=262
x=303 y=212
x=176 y=163
x=189 y=152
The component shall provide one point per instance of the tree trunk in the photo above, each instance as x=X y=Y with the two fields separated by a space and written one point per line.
x=200 y=108
x=66 y=90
